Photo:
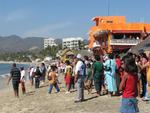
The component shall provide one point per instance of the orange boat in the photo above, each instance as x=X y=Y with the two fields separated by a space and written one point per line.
x=113 y=33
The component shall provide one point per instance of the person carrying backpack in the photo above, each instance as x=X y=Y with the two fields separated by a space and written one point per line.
x=37 y=77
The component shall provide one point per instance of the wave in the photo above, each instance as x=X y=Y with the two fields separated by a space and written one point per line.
x=5 y=75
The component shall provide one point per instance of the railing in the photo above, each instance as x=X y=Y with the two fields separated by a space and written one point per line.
x=125 y=41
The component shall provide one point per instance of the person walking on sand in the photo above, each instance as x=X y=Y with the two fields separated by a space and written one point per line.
x=31 y=75
x=97 y=73
x=89 y=79
x=52 y=77
x=147 y=92
x=68 y=75
x=37 y=77
x=79 y=78
x=110 y=74
x=43 y=72
x=129 y=86
x=22 y=80
x=15 y=76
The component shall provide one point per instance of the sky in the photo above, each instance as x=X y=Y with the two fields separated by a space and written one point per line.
x=64 y=18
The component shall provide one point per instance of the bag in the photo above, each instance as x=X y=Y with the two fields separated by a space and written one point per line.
x=38 y=72
x=108 y=68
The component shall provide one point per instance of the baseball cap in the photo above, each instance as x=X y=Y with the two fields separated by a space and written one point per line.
x=79 y=56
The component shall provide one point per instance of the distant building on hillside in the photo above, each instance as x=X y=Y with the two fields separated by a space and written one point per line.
x=72 y=43
x=49 y=42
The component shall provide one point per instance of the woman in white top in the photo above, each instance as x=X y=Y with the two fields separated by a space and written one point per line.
x=22 y=80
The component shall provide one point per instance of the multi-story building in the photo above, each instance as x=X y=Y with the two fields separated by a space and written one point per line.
x=114 y=33
x=72 y=43
x=49 y=42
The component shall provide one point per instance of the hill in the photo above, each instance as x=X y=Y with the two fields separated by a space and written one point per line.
x=15 y=43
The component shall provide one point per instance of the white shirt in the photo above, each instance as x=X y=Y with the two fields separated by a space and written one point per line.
x=31 y=71
x=22 y=75
x=79 y=68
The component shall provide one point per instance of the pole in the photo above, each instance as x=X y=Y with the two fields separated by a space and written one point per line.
x=108 y=7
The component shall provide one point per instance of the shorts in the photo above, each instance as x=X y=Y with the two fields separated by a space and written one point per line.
x=15 y=85
x=129 y=105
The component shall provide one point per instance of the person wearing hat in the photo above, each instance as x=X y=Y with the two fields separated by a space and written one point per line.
x=79 y=78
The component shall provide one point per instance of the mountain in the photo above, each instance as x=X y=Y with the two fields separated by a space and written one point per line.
x=15 y=43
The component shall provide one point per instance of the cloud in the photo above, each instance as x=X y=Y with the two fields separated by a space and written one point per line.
x=47 y=29
x=16 y=15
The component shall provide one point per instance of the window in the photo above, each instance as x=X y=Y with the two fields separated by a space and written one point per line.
x=109 y=21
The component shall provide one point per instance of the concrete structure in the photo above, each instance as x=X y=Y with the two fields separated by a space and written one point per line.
x=49 y=42
x=72 y=43
x=115 y=33
x=144 y=46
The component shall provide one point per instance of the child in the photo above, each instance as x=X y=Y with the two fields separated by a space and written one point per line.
x=129 y=86
x=89 y=79
x=68 y=75
x=147 y=67
x=53 y=80
x=22 y=80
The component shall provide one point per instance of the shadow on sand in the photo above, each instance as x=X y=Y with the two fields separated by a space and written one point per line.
x=90 y=98
x=30 y=93
x=43 y=86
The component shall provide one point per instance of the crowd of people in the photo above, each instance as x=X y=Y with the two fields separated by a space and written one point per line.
x=110 y=74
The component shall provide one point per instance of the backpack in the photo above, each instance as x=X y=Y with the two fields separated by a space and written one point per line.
x=38 y=72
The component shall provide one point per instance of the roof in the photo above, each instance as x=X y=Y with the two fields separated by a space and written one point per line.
x=69 y=53
x=144 y=45
x=72 y=39
x=85 y=53
x=66 y=52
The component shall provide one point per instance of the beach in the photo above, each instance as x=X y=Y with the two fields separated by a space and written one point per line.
x=39 y=101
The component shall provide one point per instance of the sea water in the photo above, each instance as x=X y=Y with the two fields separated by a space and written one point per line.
x=5 y=68
x=5 y=72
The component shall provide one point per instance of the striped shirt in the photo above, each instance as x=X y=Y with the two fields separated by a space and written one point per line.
x=15 y=74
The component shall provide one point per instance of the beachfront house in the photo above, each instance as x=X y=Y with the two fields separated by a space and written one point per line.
x=49 y=42
x=72 y=42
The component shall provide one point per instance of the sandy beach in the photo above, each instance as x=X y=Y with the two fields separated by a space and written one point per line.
x=39 y=101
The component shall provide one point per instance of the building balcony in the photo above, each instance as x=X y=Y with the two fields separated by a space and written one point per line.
x=125 y=41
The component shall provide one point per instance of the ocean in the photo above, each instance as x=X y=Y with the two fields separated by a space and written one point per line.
x=5 y=72
x=5 y=68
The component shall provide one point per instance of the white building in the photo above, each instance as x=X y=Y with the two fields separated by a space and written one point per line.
x=49 y=42
x=72 y=43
